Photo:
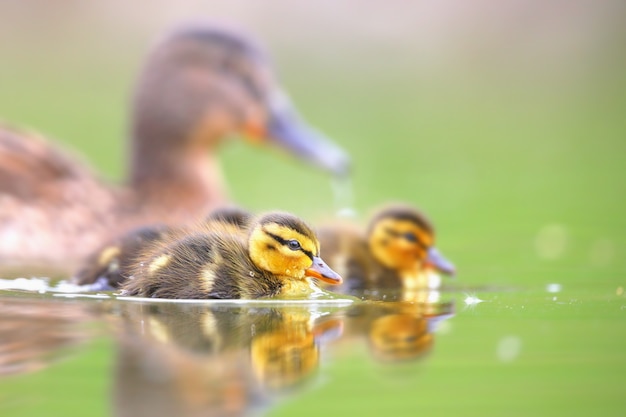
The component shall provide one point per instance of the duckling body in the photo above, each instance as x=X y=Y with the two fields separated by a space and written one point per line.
x=396 y=251
x=109 y=266
x=199 y=85
x=278 y=257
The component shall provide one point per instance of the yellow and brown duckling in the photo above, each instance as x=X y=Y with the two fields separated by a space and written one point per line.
x=396 y=251
x=198 y=86
x=279 y=256
x=108 y=267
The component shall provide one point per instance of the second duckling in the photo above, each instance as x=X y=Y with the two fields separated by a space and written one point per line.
x=396 y=251
x=279 y=257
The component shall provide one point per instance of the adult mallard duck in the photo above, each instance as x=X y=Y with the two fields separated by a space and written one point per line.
x=279 y=256
x=396 y=251
x=199 y=85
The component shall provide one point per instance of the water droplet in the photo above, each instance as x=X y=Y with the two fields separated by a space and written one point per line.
x=554 y=288
x=472 y=300
x=343 y=193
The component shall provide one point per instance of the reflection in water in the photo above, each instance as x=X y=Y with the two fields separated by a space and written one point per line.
x=203 y=359
x=35 y=333
x=397 y=330
x=213 y=360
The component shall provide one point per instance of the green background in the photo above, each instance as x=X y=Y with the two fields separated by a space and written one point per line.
x=508 y=128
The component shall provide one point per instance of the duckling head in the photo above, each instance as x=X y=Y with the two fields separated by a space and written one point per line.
x=402 y=238
x=203 y=83
x=284 y=245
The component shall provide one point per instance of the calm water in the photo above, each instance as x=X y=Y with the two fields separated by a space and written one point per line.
x=552 y=350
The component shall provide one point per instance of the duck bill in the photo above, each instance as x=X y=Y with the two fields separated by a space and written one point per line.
x=437 y=261
x=321 y=271
x=288 y=131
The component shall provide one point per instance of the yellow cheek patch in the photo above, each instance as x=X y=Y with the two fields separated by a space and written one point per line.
x=158 y=263
x=390 y=246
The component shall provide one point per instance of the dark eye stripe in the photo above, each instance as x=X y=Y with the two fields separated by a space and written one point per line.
x=284 y=243
x=414 y=238
x=307 y=253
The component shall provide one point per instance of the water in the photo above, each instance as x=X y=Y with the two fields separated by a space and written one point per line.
x=343 y=195
x=551 y=350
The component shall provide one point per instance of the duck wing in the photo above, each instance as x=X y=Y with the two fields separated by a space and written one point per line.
x=53 y=210
x=31 y=168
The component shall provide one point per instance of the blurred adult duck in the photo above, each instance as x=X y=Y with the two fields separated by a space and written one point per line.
x=198 y=86
x=397 y=250
x=278 y=257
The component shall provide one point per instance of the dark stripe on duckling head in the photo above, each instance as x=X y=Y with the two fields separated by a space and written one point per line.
x=290 y=221
x=401 y=212
x=411 y=237
x=285 y=242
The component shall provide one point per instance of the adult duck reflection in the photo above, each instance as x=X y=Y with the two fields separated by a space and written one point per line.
x=36 y=333
x=196 y=360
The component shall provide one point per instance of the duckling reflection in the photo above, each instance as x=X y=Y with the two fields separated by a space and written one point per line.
x=36 y=333
x=188 y=360
x=396 y=331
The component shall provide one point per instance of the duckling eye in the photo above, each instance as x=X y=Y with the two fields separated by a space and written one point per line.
x=293 y=244
x=410 y=237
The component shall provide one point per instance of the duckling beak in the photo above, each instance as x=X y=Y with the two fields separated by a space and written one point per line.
x=321 y=271
x=439 y=262
x=289 y=131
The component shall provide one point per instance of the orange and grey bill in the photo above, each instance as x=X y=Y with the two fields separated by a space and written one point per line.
x=321 y=271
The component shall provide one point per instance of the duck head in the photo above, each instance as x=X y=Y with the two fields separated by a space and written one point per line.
x=284 y=245
x=402 y=239
x=202 y=84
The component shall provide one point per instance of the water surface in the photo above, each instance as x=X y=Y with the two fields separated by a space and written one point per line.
x=552 y=350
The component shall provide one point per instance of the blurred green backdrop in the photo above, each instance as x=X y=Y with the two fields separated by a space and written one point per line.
x=504 y=121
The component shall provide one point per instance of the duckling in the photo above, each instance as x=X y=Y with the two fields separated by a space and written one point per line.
x=199 y=85
x=396 y=251
x=107 y=268
x=278 y=257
